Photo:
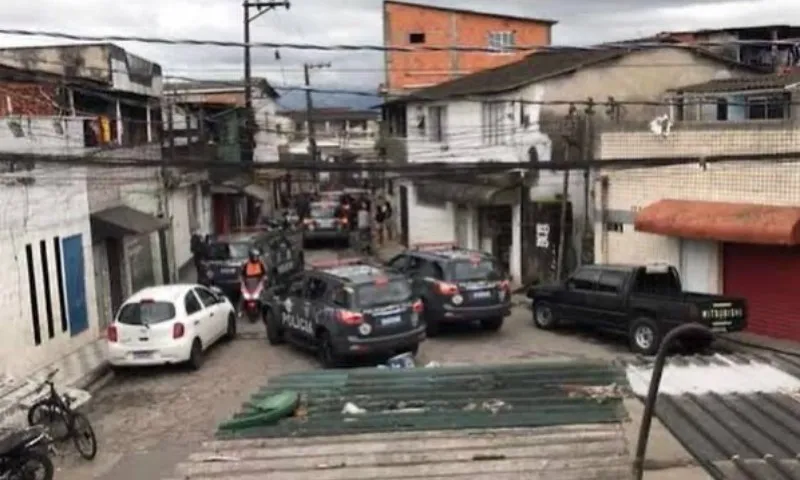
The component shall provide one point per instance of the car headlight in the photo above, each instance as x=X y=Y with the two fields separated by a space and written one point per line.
x=458 y=299
x=365 y=329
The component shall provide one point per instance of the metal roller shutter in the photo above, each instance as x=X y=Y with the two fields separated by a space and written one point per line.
x=769 y=278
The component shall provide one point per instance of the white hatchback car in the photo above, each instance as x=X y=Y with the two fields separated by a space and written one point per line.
x=169 y=324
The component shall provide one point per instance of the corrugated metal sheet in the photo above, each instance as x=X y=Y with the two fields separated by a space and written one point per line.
x=586 y=452
x=526 y=395
x=749 y=433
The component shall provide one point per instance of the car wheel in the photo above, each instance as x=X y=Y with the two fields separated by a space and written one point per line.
x=544 y=316
x=196 y=355
x=274 y=331
x=492 y=324
x=327 y=355
x=644 y=336
x=230 y=333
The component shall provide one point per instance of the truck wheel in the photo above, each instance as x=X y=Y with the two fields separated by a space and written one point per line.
x=274 y=331
x=644 y=336
x=544 y=316
x=327 y=355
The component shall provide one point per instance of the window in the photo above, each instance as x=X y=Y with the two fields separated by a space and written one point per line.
x=437 y=123
x=502 y=41
x=430 y=270
x=399 y=262
x=296 y=287
x=493 y=123
x=611 y=282
x=375 y=295
x=48 y=301
x=481 y=270
x=583 y=280
x=191 y=304
x=206 y=297
x=772 y=107
x=146 y=313
x=60 y=282
x=33 y=295
x=416 y=38
x=315 y=289
x=341 y=298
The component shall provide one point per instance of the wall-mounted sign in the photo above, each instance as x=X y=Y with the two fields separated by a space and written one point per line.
x=542 y=235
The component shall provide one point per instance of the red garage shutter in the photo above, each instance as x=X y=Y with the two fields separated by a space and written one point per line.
x=769 y=278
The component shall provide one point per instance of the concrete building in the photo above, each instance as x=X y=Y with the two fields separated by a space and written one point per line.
x=119 y=229
x=518 y=113
x=408 y=24
x=730 y=227
x=336 y=129
x=206 y=120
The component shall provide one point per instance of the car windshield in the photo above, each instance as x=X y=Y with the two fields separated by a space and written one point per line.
x=146 y=313
x=228 y=251
x=484 y=269
x=373 y=295
x=323 y=210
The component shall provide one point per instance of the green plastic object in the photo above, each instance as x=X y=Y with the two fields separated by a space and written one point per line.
x=265 y=412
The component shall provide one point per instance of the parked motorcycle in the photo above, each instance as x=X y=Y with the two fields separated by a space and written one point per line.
x=24 y=454
x=251 y=290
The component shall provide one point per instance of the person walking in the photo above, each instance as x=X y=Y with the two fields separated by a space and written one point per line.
x=364 y=228
x=383 y=215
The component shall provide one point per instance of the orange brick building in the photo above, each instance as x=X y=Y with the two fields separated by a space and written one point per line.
x=415 y=25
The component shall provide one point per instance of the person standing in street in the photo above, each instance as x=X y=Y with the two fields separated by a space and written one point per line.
x=383 y=215
x=197 y=248
x=364 y=228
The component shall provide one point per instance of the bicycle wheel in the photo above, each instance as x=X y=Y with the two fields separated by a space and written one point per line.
x=83 y=436
x=52 y=416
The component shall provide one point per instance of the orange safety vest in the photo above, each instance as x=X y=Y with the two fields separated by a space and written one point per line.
x=253 y=269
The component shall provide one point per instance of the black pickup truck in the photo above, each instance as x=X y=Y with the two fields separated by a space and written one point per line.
x=642 y=302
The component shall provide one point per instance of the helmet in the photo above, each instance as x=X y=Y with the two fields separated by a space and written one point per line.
x=254 y=254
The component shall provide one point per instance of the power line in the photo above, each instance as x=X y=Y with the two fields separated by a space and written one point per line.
x=380 y=48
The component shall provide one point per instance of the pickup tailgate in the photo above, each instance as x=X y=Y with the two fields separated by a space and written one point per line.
x=721 y=314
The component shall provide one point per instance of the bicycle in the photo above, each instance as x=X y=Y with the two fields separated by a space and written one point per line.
x=56 y=410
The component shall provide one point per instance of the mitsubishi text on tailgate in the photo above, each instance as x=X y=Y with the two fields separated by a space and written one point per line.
x=347 y=308
x=643 y=302
x=456 y=285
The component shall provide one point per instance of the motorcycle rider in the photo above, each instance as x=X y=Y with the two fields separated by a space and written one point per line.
x=253 y=268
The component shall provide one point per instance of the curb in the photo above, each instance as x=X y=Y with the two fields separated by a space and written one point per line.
x=95 y=379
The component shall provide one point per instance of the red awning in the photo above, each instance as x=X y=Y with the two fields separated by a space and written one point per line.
x=726 y=222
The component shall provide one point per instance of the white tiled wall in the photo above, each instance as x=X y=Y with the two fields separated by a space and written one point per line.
x=54 y=206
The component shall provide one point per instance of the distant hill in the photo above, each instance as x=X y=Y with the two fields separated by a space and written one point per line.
x=296 y=100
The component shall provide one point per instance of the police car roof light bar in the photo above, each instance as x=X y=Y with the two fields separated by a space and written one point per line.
x=432 y=246
x=338 y=262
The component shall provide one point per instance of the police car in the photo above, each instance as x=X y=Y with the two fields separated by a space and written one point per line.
x=346 y=308
x=326 y=223
x=225 y=256
x=456 y=285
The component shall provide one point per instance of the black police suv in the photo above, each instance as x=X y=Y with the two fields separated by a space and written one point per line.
x=225 y=255
x=456 y=285
x=346 y=309
x=326 y=222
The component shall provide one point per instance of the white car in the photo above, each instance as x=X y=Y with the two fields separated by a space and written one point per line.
x=169 y=324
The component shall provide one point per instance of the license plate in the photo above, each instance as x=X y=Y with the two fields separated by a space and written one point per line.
x=481 y=295
x=227 y=271
x=326 y=224
x=143 y=354
x=391 y=320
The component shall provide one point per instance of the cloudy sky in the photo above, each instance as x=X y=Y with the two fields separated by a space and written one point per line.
x=353 y=21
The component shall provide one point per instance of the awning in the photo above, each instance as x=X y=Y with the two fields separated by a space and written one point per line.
x=117 y=222
x=727 y=222
x=460 y=192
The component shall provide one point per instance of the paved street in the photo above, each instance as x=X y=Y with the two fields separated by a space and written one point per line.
x=149 y=420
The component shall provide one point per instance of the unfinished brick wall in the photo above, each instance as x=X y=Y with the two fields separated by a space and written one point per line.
x=27 y=99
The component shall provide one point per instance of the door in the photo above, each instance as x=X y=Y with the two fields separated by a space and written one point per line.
x=577 y=302
x=293 y=308
x=75 y=283
x=609 y=301
x=196 y=316
x=313 y=300
x=699 y=266
x=768 y=277
x=214 y=323
x=114 y=254
x=404 y=215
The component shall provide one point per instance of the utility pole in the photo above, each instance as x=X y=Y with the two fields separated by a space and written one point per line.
x=262 y=7
x=312 y=134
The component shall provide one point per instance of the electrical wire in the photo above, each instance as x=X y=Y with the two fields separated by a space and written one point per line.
x=380 y=48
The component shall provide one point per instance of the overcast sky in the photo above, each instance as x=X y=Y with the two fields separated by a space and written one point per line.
x=353 y=21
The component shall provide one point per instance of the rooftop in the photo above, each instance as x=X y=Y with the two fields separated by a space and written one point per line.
x=534 y=68
x=217 y=86
x=743 y=84
x=356 y=273
x=462 y=11
x=321 y=114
